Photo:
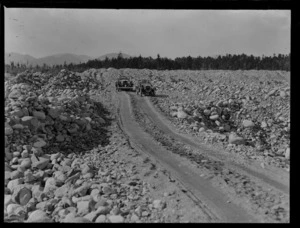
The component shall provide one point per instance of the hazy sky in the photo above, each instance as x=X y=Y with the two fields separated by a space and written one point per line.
x=171 y=33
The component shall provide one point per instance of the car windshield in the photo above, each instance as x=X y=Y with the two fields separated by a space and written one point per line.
x=145 y=82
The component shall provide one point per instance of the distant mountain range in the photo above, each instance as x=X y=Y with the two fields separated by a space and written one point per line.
x=58 y=59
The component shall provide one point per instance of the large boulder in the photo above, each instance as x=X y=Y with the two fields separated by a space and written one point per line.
x=16 y=209
x=22 y=195
x=181 y=114
x=41 y=163
x=15 y=94
x=39 y=216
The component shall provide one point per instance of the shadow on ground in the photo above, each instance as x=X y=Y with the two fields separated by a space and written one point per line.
x=84 y=141
x=162 y=96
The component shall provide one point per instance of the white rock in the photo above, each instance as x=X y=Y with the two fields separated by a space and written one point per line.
x=83 y=207
x=201 y=129
x=13 y=184
x=214 y=117
x=287 y=153
x=70 y=219
x=40 y=143
x=91 y=216
x=9 y=131
x=41 y=164
x=134 y=218
x=100 y=219
x=263 y=124
x=7 y=200
x=173 y=114
x=25 y=154
x=38 y=216
x=15 y=209
x=181 y=114
x=248 y=123
x=30 y=121
x=234 y=139
x=18 y=126
x=116 y=219
x=159 y=204
x=26 y=163
x=282 y=94
x=50 y=185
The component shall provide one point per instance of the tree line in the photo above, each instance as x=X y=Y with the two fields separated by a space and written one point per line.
x=226 y=62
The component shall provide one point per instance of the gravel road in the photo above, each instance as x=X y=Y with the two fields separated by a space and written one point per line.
x=226 y=191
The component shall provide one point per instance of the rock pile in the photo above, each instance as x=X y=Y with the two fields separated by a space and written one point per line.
x=78 y=189
x=43 y=121
x=65 y=80
x=37 y=124
x=248 y=110
x=58 y=164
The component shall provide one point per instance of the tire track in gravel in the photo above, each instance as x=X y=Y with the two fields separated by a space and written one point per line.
x=210 y=199
x=274 y=178
x=264 y=202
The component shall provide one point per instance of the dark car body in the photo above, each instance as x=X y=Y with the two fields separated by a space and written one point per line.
x=144 y=87
x=124 y=83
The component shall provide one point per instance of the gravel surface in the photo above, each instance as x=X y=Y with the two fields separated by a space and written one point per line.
x=267 y=203
x=68 y=160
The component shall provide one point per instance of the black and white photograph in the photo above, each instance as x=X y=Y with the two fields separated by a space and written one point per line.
x=146 y=115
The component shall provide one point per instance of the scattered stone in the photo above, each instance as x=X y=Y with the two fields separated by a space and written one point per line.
x=41 y=163
x=116 y=219
x=181 y=114
x=40 y=143
x=248 y=123
x=7 y=200
x=91 y=216
x=39 y=216
x=16 y=209
x=134 y=217
x=159 y=204
x=70 y=219
x=287 y=153
x=22 y=195
x=234 y=139
x=83 y=207
x=214 y=117
x=100 y=219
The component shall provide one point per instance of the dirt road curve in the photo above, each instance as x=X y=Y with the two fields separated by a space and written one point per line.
x=215 y=202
